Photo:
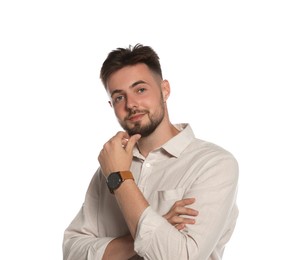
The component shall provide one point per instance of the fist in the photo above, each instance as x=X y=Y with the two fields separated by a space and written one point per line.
x=117 y=153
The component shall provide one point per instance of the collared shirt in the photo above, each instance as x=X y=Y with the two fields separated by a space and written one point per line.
x=183 y=167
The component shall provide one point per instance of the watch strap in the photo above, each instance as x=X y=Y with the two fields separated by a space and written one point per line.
x=115 y=179
x=125 y=175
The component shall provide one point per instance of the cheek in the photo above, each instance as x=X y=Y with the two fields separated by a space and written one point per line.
x=119 y=112
x=157 y=102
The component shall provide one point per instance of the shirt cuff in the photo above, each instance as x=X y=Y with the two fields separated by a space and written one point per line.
x=148 y=223
x=98 y=249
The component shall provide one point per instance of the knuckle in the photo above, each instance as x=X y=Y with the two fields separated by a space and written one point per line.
x=119 y=133
x=177 y=203
x=178 y=209
x=175 y=219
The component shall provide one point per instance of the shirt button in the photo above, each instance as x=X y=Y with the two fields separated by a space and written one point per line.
x=148 y=165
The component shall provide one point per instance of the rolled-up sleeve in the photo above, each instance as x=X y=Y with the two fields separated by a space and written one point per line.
x=79 y=241
x=82 y=239
x=155 y=235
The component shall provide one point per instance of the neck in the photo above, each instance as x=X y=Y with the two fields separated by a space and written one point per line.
x=163 y=133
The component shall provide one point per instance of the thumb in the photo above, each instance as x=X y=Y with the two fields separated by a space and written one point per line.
x=132 y=141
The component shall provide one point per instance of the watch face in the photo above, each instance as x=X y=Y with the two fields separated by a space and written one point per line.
x=114 y=180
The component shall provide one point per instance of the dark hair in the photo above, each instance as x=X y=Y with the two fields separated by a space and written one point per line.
x=121 y=57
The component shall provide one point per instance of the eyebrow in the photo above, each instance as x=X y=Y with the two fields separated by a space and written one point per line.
x=116 y=91
x=137 y=83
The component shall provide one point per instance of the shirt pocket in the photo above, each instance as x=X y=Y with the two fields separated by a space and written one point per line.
x=164 y=199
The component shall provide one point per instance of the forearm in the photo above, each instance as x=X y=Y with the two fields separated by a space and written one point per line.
x=132 y=204
x=82 y=247
x=120 y=248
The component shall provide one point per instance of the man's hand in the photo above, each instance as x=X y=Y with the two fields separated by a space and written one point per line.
x=116 y=154
x=176 y=216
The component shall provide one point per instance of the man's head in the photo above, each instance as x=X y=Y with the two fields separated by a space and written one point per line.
x=133 y=79
x=120 y=58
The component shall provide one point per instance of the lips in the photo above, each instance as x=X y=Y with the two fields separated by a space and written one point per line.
x=136 y=117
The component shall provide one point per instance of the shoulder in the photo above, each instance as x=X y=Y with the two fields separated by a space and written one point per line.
x=206 y=155
x=207 y=149
x=96 y=184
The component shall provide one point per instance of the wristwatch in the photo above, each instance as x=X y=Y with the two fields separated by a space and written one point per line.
x=115 y=179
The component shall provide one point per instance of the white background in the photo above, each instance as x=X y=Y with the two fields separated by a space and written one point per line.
x=231 y=67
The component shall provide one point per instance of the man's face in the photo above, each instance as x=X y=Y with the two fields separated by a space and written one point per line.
x=137 y=98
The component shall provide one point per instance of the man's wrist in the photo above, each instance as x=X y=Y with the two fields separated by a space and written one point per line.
x=115 y=179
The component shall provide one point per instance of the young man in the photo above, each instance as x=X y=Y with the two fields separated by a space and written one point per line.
x=160 y=193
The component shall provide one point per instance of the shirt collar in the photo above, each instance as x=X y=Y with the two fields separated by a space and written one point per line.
x=177 y=144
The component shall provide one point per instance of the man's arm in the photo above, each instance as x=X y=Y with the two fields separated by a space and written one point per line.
x=116 y=157
x=120 y=248
x=82 y=239
x=179 y=216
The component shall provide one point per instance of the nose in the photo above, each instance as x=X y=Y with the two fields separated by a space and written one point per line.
x=131 y=102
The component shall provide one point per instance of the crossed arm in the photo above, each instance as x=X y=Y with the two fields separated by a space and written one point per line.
x=123 y=247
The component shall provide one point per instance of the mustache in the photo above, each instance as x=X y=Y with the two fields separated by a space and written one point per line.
x=132 y=112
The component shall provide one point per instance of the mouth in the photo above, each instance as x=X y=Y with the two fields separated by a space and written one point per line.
x=136 y=117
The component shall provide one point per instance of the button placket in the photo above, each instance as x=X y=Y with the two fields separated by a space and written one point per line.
x=145 y=173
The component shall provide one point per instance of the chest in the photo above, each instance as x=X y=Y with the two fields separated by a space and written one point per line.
x=163 y=182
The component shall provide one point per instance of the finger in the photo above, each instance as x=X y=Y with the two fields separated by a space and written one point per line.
x=113 y=140
x=181 y=211
x=119 y=136
x=180 y=226
x=186 y=201
x=124 y=142
x=132 y=141
x=120 y=139
x=186 y=211
x=176 y=220
x=122 y=134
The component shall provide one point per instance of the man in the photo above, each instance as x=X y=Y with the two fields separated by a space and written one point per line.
x=160 y=193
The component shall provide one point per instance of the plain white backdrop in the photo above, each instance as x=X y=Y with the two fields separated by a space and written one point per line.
x=231 y=66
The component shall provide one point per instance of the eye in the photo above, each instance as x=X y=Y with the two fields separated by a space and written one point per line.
x=141 y=90
x=118 y=99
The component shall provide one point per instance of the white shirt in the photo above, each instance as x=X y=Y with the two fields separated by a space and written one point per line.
x=184 y=167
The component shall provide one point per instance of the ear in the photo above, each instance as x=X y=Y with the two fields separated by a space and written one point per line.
x=165 y=89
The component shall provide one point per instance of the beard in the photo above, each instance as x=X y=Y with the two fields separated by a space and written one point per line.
x=145 y=129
